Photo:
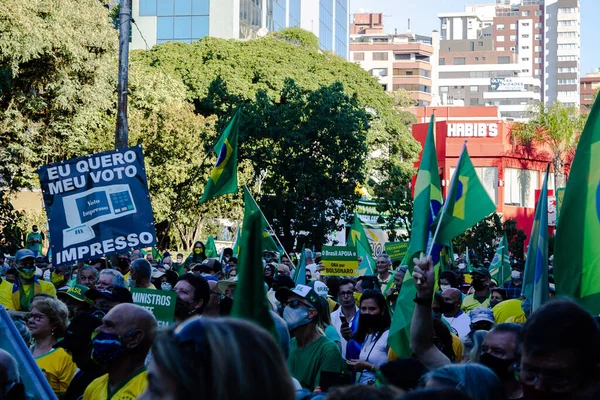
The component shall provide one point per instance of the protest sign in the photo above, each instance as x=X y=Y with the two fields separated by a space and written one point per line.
x=396 y=250
x=339 y=260
x=161 y=303
x=97 y=205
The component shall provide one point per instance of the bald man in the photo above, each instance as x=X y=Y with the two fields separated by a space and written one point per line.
x=9 y=376
x=459 y=321
x=122 y=344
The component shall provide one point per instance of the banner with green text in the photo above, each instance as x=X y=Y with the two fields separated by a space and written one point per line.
x=339 y=260
x=160 y=303
x=396 y=250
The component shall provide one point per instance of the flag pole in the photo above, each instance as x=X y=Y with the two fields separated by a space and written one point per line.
x=437 y=229
x=270 y=227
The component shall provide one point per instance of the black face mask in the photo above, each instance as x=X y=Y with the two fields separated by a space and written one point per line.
x=500 y=366
x=478 y=284
x=446 y=307
x=182 y=308
x=371 y=321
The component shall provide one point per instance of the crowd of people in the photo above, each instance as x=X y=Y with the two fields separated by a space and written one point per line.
x=470 y=337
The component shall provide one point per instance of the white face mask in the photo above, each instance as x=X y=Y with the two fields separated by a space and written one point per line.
x=166 y=286
x=515 y=274
x=444 y=287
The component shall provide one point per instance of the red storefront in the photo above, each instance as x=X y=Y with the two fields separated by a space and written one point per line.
x=512 y=175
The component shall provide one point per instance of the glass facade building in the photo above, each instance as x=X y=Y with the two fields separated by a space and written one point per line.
x=177 y=20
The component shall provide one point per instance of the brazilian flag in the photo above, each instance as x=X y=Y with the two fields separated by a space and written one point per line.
x=223 y=178
x=466 y=204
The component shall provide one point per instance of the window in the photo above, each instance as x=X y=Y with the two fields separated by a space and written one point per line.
x=379 y=71
x=513 y=38
x=480 y=43
x=567 y=58
x=474 y=101
x=567 y=10
x=500 y=49
x=402 y=56
x=538 y=36
x=525 y=36
x=147 y=7
x=472 y=46
x=538 y=13
x=567 y=70
x=443 y=89
x=358 y=56
x=567 y=81
x=442 y=61
x=567 y=34
x=459 y=61
x=380 y=56
x=513 y=27
x=500 y=27
x=570 y=22
x=538 y=25
x=537 y=72
x=526 y=23
x=520 y=186
x=524 y=47
x=538 y=60
x=488 y=176
x=165 y=7
x=568 y=46
x=525 y=59
x=538 y=49
x=499 y=38
x=504 y=60
x=525 y=13
x=474 y=88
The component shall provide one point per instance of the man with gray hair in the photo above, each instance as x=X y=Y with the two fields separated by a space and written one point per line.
x=141 y=274
x=10 y=382
x=110 y=278
x=383 y=265
x=87 y=276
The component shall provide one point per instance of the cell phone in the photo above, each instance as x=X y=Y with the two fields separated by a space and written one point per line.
x=343 y=319
x=329 y=380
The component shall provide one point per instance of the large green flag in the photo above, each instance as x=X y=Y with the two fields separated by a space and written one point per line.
x=358 y=237
x=427 y=203
x=250 y=301
x=156 y=254
x=250 y=204
x=577 y=244
x=467 y=201
x=211 y=248
x=223 y=178
x=535 y=282
x=500 y=265
x=300 y=271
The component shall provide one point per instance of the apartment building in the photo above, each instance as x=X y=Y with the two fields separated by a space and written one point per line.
x=590 y=84
x=399 y=60
x=509 y=54
x=160 y=21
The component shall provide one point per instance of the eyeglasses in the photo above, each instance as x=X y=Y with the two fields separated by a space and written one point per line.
x=36 y=317
x=346 y=293
x=297 y=304
x=554 y=383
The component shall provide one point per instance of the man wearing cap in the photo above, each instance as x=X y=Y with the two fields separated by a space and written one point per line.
x=481 y=297
x=514 y=286
x=121 y=345
x=78 y=342
x=34 y=241
x=75 y=300
x=107 y=299
x=310 y=351
x=322 y=290
x=28 y=285
x=141 y=273
x=452 y=314
x=482 y=319
x=209 y=266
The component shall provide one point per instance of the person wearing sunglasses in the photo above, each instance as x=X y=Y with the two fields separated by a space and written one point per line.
x=310 y=351
x=121 y=344
x=48 y=323
x=225 y=359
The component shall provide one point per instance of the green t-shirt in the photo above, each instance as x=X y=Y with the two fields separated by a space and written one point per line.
x=306 y=363
x=35 y=246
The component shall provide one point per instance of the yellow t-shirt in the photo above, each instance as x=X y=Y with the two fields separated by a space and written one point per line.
x=129 y=390
x=518 y=319
x=506 y=309
x=457 y=348
x=126 y=276
x=59 y=369
x=46 y=287
x=470 y=303
x=6 y=294
x=332 y=305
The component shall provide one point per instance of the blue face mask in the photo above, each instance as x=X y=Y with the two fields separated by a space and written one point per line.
x=106 y=346
x=295 y=317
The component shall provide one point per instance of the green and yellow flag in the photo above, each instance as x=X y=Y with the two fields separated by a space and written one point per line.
x=300 y=271
x=577 y=244
x=427 y=203
x=223 y=178
x=250 y=301
x=467 y=201
x=500 y=265
x=211 y=248
x=358 y=237
x=251 y=206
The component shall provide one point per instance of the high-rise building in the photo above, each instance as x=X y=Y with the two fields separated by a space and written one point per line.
x=590 y=84
x=161 y=21
x=510 y=54
x=399 y=60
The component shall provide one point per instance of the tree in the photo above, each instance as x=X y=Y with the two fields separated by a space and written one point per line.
x=482 y=239
x=558 y=126
x=298 y=36
x=516 y=238
x=12 y=235
x=394 y=199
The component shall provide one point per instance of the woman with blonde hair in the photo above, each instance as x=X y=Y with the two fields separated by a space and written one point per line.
x=224 y=359
x=47 y=322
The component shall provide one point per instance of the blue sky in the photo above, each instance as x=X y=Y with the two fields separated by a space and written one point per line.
x=423 y=19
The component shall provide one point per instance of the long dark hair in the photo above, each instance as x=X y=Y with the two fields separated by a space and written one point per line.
x=443 y=339
x=363 y=329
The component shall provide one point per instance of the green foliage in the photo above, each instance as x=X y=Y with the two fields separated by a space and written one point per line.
x=394 y=198
x=11 y=233
x=481 y=239
x=56 y=64
x=556 y=125
x=298 y=36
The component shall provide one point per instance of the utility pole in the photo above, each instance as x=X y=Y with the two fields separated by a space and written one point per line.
x=121 y=132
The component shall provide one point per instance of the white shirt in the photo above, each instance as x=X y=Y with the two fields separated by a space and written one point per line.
x=373 y=352
x=336 y=322
x=460 y=325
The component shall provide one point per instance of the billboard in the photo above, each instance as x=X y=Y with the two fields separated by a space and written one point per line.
x=506 y=85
